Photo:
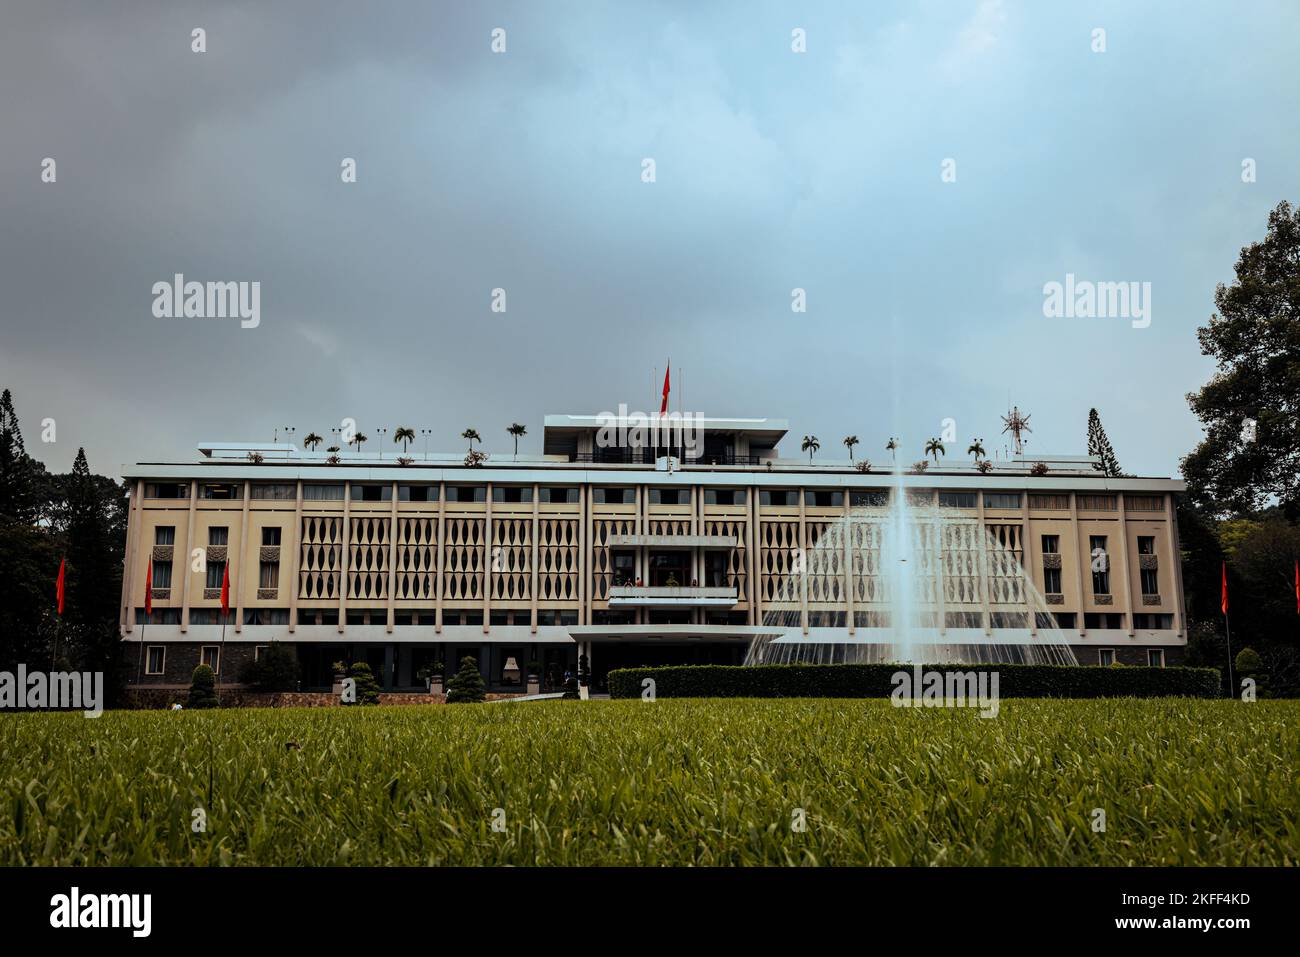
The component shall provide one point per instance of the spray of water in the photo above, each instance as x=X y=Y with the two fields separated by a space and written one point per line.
x=927 y=584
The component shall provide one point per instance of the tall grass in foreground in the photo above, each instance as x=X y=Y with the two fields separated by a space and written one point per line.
x=704 y=782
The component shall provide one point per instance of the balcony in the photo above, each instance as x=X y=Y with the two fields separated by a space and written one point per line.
x=672 y=596
x=673 y=541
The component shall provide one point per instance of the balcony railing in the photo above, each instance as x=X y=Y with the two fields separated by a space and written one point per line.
x=669 y=595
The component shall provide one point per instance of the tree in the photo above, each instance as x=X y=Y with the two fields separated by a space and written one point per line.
x=203 y=688
x=935 y=447
x=366 y=687
x=466 y=685
x=976 y=449
x=849 y=442
x=18 y=477
x=404 y=434
x=810 y=445
x=1099 y=446
x=516 y=429
x=94 y=577
x=358 y=439
x=1254 y=337
x=892 y=448
x=312 y=441
x=472 y=436
x=275 y=669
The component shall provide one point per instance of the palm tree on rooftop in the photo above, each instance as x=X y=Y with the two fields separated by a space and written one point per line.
x=358 y=439
x=312 y=441
x=404 y=434
x=517 y=430
x=473 y=436
x=935 y=447
x=976 y=449
x=892 y=448
x=810 y=445
x=849 y=442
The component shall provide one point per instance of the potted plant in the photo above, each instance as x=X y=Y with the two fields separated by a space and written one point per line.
x=534 y=677
x=436 y=672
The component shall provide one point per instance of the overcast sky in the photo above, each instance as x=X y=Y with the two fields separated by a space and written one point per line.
x=523 y=171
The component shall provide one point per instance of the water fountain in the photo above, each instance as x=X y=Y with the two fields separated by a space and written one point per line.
x=927 y=584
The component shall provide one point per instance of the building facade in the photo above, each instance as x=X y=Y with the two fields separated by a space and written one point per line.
x=628 y=554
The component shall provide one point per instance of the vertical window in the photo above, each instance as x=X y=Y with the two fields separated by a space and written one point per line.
x=271 y=535
x=1150 y=581
x=1105 y=657
x=210 y=655
x=1052 y=581
x=1156 y=657
x=1100 y=564
x=268 y=575
x=162 y=574
x=155 y=658
x=1051 y=544
x=164 y=535
x=218 y=535
x=1146 y=545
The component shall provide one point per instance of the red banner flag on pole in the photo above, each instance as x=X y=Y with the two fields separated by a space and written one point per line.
x=1297 y=586
x=225 y=590
x=1223 y=594
x=59 y=585
x=663 y=406
x=148 y=590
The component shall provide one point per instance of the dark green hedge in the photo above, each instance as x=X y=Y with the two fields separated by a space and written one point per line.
x=874 y=681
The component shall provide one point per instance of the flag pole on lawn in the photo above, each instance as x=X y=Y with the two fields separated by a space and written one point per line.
x=148 y=610
x=59 y=591
x=1227 y=629
x=225 y=616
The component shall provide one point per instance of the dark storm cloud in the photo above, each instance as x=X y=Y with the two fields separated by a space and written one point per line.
x=521 y=171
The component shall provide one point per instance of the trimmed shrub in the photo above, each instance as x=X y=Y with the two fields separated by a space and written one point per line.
x=1247 y=664
x=203 y=688
x=275 y=670
x=466 y=685
x=367 y=687
x=875 y=681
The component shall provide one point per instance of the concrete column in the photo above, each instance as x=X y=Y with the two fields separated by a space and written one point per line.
x=1123 y=551
x=536 y=577
x=638 y=527
x=392 y=560
x=185 y=558
x=126 y=613
x=803 y=553
x=1079 y=547
x=488 y=561
x=982 y=542
x=295 y=543
x=1028 y=564
x=584 y=558
x=441 y=571
x=848 y=561
x=239 y=579
x=751 y=555
x=346 y=537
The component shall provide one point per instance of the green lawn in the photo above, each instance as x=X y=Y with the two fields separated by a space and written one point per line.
x=670 y=782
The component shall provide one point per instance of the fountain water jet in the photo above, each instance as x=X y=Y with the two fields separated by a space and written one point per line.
x=927 y=585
